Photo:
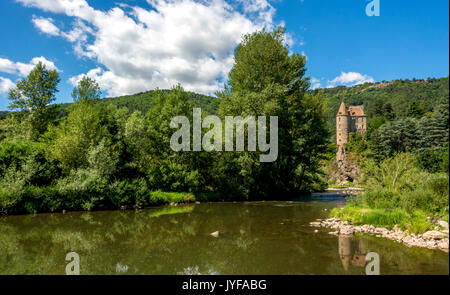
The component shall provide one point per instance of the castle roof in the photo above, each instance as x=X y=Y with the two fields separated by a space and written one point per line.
x=342 y=109
x=356 y=111
x=351 y=110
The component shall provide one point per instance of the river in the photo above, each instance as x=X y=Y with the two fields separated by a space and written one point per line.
x=254 y=238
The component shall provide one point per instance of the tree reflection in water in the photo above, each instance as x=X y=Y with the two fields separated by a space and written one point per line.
x=255 y=238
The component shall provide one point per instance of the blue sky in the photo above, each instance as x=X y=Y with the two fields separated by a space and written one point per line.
x=132 y=45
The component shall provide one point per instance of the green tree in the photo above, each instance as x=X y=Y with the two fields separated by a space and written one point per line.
x=373 y=124
x=87 y=89
x=356 y=144
x=33 y=95
x=376 y=109
x=268 y=81
x=433 y=130
x=167 y=169
x=84 y=127
x=262 y=59
x=416 y=110
x=388 y=111
x=394 y=137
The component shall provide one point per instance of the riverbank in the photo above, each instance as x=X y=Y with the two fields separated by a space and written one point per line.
x=48 y=200
x=433 y=239
x=415 y=221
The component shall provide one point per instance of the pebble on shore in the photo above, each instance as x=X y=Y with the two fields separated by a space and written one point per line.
x=434 y=239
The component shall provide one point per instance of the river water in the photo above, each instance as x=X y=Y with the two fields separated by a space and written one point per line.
x=254 y=238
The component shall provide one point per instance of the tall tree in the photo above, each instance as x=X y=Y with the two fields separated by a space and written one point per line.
x=266 y=80
x=394 y=137
x=86 y=90
x=33 y=95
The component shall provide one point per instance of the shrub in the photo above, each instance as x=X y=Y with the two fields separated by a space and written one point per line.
x=84 y=189
x=129 y=192
x=398 y=183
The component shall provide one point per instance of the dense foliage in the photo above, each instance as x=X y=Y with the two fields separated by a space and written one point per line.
x=398 y=192
x=97 y=154
x=266 y=80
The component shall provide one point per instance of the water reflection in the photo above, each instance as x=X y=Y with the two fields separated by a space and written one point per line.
x=352 y=251
x=255 y=238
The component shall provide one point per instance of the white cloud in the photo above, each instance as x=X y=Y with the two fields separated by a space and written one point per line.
x=7 y=66
x=177 y=41
x=261 y=8
x=5 y=85
x=350 y=79
x=46 y=25
x=77 y=8
x=23 y=69
x=315 y=83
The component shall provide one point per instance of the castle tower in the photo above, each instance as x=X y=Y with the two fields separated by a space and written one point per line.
x=348 y=120
x=342 y=127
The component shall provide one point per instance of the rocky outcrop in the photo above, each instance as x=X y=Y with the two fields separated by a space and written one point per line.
x=434 y=239
x=346 y=170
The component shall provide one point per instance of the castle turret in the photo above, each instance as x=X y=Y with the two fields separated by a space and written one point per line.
x=348 y=120
x=342 y=128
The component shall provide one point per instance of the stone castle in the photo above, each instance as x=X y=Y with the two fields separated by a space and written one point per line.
x=351 y=119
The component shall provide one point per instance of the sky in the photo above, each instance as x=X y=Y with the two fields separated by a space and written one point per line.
x=131 y=46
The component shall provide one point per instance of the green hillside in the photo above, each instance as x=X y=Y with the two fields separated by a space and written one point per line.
x=400 y=94
x=394 y=98
x=143 y=101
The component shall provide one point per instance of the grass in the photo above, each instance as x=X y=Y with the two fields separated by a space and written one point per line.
x=161 y=198
x=398 y=192
x=415 y=222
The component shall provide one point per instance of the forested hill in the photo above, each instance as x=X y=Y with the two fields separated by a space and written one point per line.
x=399 y=98
x=142 y=101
